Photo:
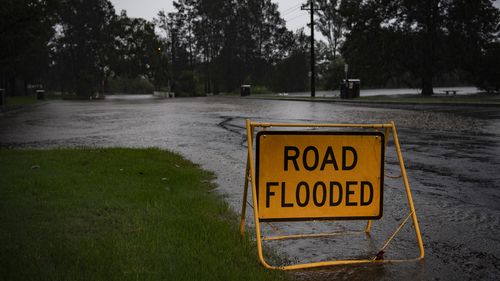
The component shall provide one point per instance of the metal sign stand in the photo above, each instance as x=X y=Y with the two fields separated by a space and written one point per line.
x=250 y=177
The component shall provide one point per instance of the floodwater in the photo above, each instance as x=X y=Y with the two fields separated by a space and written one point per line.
x=452 y=156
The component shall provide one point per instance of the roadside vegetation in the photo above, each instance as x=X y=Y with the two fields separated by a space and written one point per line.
x=473 y=99
x=20 y=100
x=459 y=99
x=117 y=214
x=214 y=46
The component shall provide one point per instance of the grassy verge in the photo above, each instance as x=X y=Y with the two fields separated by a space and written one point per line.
x=479 y=99
x=15 y=101
x=20 y=100
x=459 y=99
x=116 y=214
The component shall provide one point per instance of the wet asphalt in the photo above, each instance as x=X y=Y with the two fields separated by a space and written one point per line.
x=452 y=155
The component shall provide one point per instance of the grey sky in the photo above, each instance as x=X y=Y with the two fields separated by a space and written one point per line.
x=148 y=9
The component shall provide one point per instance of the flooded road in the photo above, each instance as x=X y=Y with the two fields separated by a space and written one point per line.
x=386 y=92
x=452 y=156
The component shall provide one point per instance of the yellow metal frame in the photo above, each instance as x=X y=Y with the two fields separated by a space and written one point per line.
x=250 y=176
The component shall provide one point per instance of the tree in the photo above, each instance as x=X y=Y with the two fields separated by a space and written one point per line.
x=369 y=49
x=330 y=24
x=488 y=72
x=212 y=44
x=84 y=44
x=183 y=53
x=473 y=30
x=139 y=51
x=291 y=73
x=264 y=38
x=26 y=28
x=226 y=42
x=208 y=28
x=419 y=38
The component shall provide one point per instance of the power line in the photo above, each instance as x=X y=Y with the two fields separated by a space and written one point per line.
x=296 y=17
x=291 y=12
x=291 y=8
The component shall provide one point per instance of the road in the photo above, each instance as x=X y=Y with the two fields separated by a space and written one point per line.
x=452 y=155
x=386 y=92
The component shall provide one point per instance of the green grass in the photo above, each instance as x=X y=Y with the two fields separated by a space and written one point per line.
x=478 y=99
x=459 y=99
x=15 y=101
x=20 y=100
x=116 y=214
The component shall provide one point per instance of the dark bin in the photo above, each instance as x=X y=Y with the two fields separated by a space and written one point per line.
x=40 y=94
x=2 y=97
x=349 y=88
x=245 y=90
x=343 y=90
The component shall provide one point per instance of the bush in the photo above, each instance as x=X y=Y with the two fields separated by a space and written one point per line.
x=186 y=85
x=85 y=85
x=136 y=86
x=334 y=74
x=488 y=77
x=259 y=90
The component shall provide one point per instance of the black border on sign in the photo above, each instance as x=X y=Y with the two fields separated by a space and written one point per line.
x=326 y=133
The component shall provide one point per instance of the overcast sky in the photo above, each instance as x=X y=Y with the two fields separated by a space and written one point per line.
x=148 y=9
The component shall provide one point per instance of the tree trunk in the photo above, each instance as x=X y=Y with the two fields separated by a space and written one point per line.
x=25 y=86
x=3 y=81
x=428 y=54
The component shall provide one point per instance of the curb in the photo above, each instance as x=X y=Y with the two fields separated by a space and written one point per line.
x=384 y=102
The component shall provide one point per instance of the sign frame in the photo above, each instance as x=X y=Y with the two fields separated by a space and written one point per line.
x=321 y=133
x=250 y=179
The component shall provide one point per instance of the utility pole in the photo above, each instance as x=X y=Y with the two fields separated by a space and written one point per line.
x=311 y=10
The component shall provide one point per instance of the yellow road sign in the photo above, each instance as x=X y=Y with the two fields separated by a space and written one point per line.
x=319 y=175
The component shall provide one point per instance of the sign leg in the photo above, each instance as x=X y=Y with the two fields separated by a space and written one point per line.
x=244 y=202
x=408 y=192
x=368 y=226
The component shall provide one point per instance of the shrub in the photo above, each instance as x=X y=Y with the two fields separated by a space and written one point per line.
x=259 y=90
x=136 y=86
